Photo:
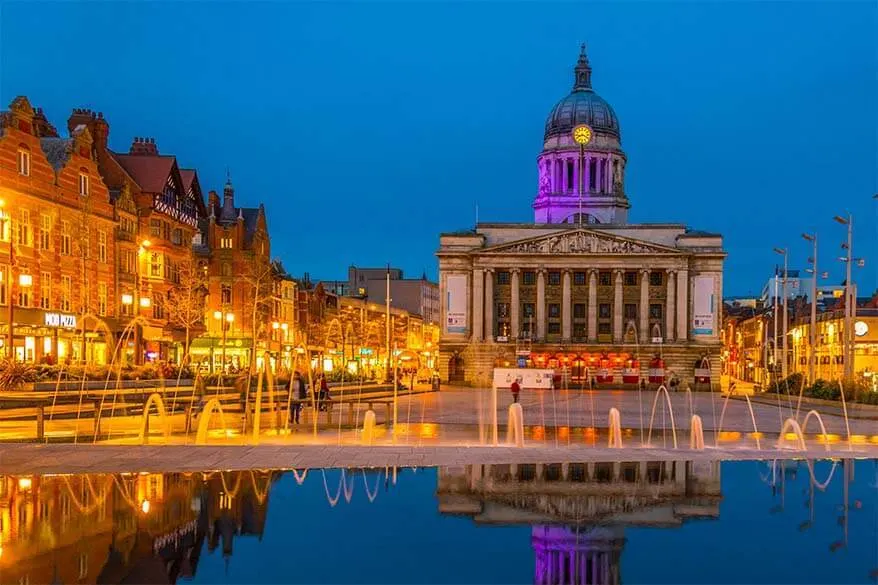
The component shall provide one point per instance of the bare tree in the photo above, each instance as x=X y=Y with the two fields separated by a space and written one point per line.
x=260 y=280
x=185 y=303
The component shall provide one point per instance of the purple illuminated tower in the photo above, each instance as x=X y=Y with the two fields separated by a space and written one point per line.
x=566 y=556
x=597 y=173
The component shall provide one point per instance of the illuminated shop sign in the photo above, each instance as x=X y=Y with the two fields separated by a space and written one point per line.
x=60 y=320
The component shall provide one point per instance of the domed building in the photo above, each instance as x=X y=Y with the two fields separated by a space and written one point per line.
x=582 y=290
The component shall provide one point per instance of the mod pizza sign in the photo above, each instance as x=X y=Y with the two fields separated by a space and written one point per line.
x=60 y=320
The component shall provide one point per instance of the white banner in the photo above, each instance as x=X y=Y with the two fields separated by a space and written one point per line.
x=703 y=306
x=455 y=303
x=527 y=377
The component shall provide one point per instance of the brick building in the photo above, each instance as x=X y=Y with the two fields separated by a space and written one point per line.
x=234 y=247
x=57 y=256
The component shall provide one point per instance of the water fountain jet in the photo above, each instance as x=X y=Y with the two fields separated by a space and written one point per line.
x=515 y=426
x=662 y=389
x=615 y=424
x=368 y=427
x=696 y=433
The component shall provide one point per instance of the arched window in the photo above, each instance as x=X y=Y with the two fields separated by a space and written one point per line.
x=587 y=218
x=226 y=269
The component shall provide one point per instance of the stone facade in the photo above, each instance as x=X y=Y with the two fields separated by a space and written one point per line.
x=585 y=290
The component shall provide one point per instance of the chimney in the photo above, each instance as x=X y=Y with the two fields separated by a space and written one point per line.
x=42 y=127
x=212 y=203
x=144 y=146
x=97 y=126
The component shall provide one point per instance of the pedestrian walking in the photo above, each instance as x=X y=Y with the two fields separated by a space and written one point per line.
x=516 y=390
x=300 y=392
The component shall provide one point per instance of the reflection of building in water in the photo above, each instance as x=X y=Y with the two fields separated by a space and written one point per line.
x=128 y=528
x=578 y=511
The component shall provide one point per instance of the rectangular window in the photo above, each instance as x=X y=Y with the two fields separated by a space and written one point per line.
x=529 y=278
x=127 y=306
x=528 y=310
x=579 y=330
x=579 y=278
x=655 y=311
x=630 y=311
x=503 y=277
x=46 y=290
x=23 y=162
x=102 y=246
x=554 y=278
x=5 y=225
x=554 y=328
x=603 y=328
x=226 y=295
x=579 y=311
x=66 y=292
x=655 y=278
x=102 y=298
x=226 y=243
x=604 y=310
x=502 y=310
x=158 y=306
x=45 y=232
x=155 y=228
x=630 y=278
x=166 y=230
x=129 y=262
x=554 y=310
x=155 y=265
x=65 y=238
x=605 y=278
x=24 y=296
x=177 y=237
x=24 y=229
x=83 y=184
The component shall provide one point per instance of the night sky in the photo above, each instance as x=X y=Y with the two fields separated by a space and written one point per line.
x=368 y=128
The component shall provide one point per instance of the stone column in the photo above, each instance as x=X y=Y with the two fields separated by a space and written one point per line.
x=587 y=183
x=599 y=171
x=514 y=309
x=643 y=326
x=565 y=306
x=478 y=302
x=670 y=303
x=489 y=304
x=617 y=308
x=564 y=185
x=592 y=306
x=541 y=304
x=682 y=304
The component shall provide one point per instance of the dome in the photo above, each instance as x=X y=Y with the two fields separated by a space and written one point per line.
x=582 y=106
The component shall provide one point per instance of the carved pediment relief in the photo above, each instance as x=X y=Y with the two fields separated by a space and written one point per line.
x=580 y=242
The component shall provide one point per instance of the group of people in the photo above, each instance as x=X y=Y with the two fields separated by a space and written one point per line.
x=299 y=391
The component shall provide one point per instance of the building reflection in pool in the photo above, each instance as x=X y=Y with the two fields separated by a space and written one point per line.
x=124 y=528
x=579 y=511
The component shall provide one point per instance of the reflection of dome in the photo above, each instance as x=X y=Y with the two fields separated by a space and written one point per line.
x=582 y=106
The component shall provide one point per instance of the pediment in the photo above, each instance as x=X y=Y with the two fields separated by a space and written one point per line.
x=578 y=242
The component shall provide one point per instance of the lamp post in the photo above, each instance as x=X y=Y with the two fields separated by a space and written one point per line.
x=783 y=252
x=812 y=331
x=582 y=136
x=226 y=319
x=143 y=302
x=850 y=296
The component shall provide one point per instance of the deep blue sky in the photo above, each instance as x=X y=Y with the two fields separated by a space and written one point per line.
x=368 y=128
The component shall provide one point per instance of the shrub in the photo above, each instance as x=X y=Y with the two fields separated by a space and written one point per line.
x=791 y=383
x=14 y=375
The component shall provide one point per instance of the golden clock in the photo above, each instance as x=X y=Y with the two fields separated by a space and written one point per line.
x=582 y=134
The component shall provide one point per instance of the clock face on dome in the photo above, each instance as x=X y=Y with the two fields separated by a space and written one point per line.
x=582 y=134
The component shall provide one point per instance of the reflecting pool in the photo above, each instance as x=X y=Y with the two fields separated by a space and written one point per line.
x=590 y=523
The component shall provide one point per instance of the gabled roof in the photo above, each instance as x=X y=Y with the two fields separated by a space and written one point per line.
x=150 y=172
x=188 y=176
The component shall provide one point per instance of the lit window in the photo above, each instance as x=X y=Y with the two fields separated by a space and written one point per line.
x=45 y=232
x=65 y=238
x=66 y=290
x=5 y=225
x=102 y=246
x=46 y=290
x=83 y=184
x=226 y=243
x=155 y=228
x=155 y=265
x=23 y=162
x=158 y=306
x=24 y=296
x=24 y=231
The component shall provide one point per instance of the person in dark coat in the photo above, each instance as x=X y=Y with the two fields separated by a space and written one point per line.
x=324 y=392
x=515 y=388
x=300 y=392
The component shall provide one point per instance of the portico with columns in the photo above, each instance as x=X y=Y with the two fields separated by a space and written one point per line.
x=581 y=283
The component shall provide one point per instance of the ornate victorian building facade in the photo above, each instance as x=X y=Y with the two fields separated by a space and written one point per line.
x=580 y=288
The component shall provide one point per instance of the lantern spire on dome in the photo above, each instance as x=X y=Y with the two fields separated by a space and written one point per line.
x=582 y=72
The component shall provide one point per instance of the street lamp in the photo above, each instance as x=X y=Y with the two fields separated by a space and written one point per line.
x=226 y=319
x=782 y=252
x=850 y=295
x=812 y=332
